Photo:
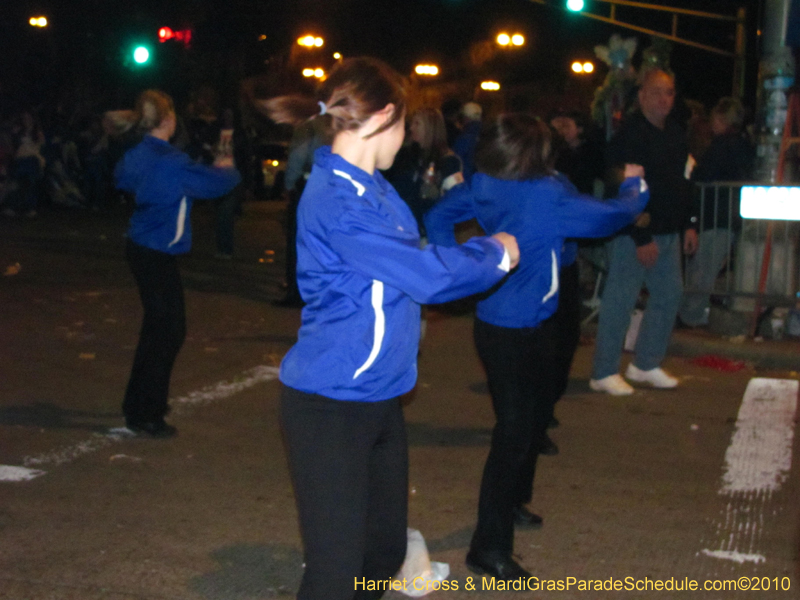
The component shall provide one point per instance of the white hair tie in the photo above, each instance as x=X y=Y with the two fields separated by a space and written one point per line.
x=322 y=108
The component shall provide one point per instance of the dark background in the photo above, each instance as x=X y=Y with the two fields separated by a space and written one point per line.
x=85 y=50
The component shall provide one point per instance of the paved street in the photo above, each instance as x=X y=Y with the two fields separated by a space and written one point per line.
x=658 y=485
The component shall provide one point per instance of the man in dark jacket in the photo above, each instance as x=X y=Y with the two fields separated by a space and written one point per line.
x=650 y=251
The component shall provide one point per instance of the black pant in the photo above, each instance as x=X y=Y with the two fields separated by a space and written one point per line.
x=349 y=466
x=519 y=366
x=568 y=322
x=162 y=334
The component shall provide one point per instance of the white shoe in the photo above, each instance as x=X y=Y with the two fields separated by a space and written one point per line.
x=613 y=384
x=657 y=377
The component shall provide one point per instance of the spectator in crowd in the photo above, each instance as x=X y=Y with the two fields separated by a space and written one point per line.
x=464 y=145
x=579 y=154
x=93 y=148
x=451 y=110
x=425 y=167
x=27 y=167
x=729 y=158
x=698 y=128
x=649 y=252
x=230 y=152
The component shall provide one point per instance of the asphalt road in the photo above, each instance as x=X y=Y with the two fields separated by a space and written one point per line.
x=642 y=488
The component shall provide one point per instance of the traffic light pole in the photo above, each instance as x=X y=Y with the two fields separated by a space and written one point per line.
x=739 y=19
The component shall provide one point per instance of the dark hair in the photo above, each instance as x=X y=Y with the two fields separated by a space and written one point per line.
x=577 y=116
x=515 y=146
x=355 y=90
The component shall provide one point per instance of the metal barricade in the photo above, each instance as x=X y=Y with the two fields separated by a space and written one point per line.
x=728 y=262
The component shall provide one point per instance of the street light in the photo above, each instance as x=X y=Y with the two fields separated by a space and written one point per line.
x=490 y=86
x=428 y=70
x=506 y=40
x=575 y=5
x=310 y=41
x=38 y=21
x=318 y=73
x=582 y=67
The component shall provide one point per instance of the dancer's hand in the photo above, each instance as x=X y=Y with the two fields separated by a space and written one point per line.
x=634 y=171
x=510 y=243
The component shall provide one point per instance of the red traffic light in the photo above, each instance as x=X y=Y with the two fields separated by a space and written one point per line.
x=181 y=35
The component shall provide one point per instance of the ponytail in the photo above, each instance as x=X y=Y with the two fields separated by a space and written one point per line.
x=356 y=89
x=291 y=109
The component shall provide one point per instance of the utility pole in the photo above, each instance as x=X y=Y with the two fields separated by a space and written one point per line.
x=776 y=72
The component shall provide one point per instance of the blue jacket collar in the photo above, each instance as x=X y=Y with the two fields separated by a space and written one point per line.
x=334 y=162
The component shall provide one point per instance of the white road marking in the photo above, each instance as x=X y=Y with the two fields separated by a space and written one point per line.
x=737 y=557
x=757 y=463
x=9 y=473
x=202 y=397
x=760 y=455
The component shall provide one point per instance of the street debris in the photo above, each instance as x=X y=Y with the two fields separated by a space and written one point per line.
x=719 y=363
x=419 y=568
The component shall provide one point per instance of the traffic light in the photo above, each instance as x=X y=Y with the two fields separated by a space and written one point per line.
x=179 y=35
x=165 y=33
x=575 y=5
x=141 y=55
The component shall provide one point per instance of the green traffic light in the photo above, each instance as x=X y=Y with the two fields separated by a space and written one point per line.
x=575 y=5
x=141 y=55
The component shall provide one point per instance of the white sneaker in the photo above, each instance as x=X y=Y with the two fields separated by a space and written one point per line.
x=613 y=384
x=657 y=377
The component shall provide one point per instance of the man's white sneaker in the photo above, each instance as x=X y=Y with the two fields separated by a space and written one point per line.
x=657 y=377
x=613 y=384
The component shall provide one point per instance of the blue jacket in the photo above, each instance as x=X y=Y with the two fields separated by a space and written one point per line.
x=165 y=181
x=464 y=146
x=541 y=213
x=362 y=274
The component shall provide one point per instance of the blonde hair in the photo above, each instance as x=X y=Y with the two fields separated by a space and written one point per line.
x=152 y=107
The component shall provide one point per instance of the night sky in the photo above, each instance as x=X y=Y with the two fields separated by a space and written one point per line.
x=88 y=39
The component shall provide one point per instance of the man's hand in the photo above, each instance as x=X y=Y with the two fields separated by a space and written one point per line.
x=690 y=242
x=647 y=254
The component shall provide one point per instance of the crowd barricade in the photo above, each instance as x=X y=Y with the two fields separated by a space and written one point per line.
x=729 y=260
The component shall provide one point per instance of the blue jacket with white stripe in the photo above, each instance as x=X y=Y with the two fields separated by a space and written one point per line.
x=165 y=181
x=541 y=213
x=362 y=274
